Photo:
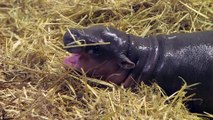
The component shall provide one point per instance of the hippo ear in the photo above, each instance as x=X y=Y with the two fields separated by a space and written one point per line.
x=125 y=62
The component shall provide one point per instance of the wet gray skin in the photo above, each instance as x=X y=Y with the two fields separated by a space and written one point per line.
x=130 y=59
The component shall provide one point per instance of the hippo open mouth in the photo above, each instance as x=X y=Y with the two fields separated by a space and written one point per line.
x=99 y=52
x=85 y=49
x=72 y=60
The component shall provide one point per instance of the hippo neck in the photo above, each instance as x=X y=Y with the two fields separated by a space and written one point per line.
x=146 y=52
x=151 y=60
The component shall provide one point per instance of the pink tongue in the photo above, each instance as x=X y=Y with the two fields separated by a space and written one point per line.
x=72 y=60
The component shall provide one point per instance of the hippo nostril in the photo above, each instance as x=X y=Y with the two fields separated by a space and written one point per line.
x=74 y=50
x=75 y=46
x=71 y=42
x=69 y=37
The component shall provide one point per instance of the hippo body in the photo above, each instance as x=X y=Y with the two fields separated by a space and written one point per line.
x=189 y=56
x=168 y=60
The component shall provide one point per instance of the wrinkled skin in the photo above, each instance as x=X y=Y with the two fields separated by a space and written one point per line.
x=129 y=60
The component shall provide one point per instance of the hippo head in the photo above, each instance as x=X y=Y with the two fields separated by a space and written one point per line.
x=100 y=51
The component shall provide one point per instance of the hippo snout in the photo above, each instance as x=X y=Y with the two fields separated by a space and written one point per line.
x=72 y=42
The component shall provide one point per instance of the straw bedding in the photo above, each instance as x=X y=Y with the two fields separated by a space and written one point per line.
x=34 y=84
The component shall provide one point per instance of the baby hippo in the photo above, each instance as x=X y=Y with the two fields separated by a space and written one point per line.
x=125 y=59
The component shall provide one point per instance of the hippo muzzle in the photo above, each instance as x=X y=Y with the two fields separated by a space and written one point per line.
x=93 y=49
x=114 y=56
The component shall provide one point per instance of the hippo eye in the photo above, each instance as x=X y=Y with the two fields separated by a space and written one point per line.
x=95 y=51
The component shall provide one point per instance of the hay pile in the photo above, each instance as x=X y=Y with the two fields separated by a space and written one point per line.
x=34 y=84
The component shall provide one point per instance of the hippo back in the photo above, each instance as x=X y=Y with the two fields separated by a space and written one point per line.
x=189 y=58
